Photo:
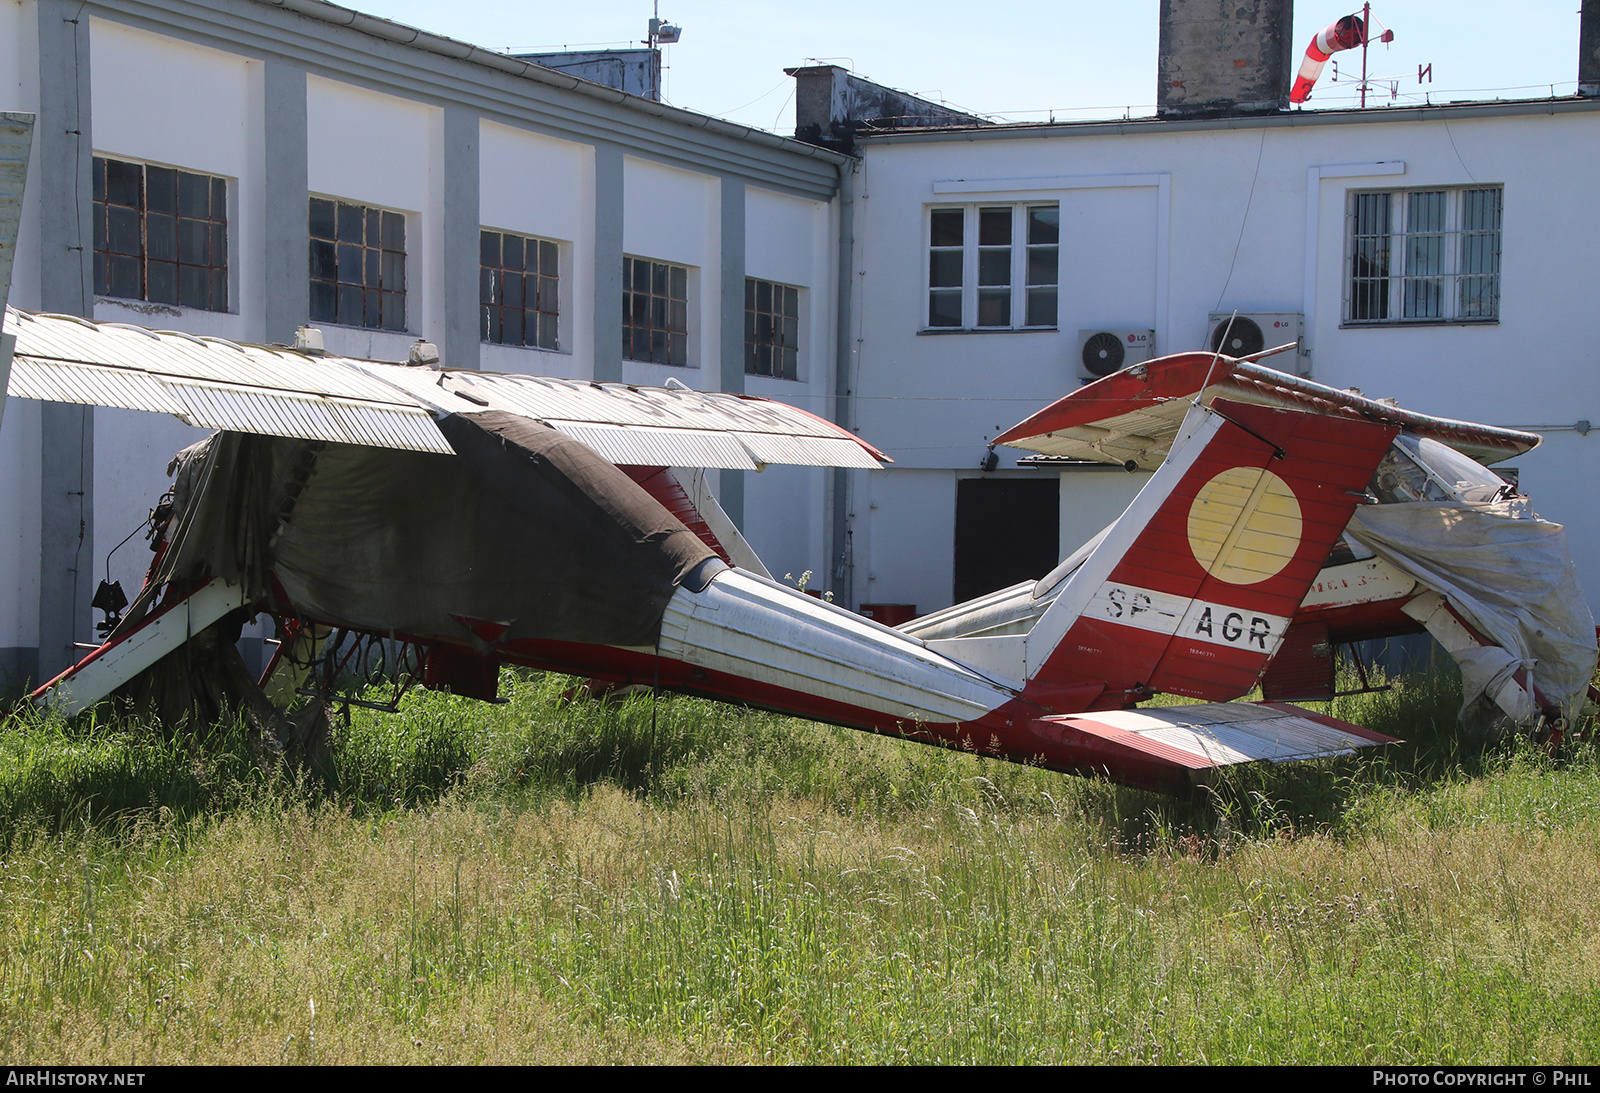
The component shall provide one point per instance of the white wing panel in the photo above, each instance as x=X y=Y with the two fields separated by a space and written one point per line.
x=647 y=426
x=310 y=417
x=633 y=445
x=271 y=390
x=91 y=385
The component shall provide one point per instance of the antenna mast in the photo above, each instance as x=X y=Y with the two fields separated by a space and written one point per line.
x=661 y=33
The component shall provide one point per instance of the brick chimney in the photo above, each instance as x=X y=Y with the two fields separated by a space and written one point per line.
x=1589 y=50
x=1227 y=57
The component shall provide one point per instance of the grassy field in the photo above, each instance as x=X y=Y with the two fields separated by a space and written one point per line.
x=683 y=882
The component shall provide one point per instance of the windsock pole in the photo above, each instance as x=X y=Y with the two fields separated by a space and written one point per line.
x=1345 y=33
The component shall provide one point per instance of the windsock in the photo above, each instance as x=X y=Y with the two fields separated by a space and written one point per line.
x=1346 y=33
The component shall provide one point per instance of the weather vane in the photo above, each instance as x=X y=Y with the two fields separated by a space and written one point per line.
x=1347 y=33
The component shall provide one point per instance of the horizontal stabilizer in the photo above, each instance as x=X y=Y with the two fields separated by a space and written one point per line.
x=1170 y=747
x=1134 y=416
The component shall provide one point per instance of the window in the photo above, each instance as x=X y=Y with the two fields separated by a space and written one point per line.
x=160 y=234
x=993 y=267
x=1423 y=256
x=517 y=290
x=655 y=311
x=771 y=329
x=358 y=265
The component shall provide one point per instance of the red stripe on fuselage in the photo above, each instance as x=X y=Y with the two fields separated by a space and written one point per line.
x=1005 y=732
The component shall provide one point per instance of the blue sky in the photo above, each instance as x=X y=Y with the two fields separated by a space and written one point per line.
x=1017 y=60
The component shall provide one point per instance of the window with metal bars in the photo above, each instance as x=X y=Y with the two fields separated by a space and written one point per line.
x=993 y=267
x=1423 y=256
x=655 y=311
x=771 y=329
x=160 y=234
x=518 y=290
x=358 y=265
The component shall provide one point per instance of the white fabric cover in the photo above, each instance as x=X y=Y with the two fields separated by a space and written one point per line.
x=1508 y=573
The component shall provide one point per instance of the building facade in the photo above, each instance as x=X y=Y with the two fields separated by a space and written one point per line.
x=237 y=169
x=1428 y=255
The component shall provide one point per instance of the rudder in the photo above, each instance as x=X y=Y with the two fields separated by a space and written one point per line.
x=1193 y=589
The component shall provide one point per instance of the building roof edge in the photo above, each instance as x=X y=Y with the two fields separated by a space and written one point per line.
x=401 y=34
x=1287 y=120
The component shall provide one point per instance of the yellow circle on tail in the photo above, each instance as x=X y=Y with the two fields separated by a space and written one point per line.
x=1244 y=525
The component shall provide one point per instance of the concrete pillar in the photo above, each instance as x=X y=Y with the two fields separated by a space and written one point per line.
x=16 y=147
x=844 y=357
x=731 y=334
x=459 y=347
x=286 y=292
x=66 y=285
x=607 y=263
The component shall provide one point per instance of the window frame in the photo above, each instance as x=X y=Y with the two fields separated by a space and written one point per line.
x=631 y=304
x=978 y=243
x=1442 y=296
x=386 y=271
x=783 y=348
x=112 y=266
x=546 y=305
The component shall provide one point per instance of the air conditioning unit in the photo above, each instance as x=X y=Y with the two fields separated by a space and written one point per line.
x=1250 y=332
x=1102 y=352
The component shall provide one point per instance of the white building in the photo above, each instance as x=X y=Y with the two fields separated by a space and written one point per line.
x=1430 y=255
x=188 y=158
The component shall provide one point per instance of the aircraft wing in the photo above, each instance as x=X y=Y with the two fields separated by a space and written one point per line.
x=674 y=426
x=276 y=391
x=1133 y=416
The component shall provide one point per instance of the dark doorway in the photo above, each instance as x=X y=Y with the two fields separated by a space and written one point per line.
x=1007 y=530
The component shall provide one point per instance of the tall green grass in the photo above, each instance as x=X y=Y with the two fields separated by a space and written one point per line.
x=676 y=881
x=535 y=747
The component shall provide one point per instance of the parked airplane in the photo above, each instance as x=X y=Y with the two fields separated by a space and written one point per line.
x=484 y=520
x=1445 y=545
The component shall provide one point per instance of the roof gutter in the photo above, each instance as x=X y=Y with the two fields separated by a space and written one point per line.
x=1292 y=119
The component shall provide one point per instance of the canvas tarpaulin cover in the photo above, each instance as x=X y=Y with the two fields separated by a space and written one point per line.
x=523 y=528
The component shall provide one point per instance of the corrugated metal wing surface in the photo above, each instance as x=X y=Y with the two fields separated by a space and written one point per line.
x=813 y=451
x=649 y=426
x=310 y=417
x=260 y=389
x=91 y=385
x=178 y=356
x=215 y=384
x=632 y=445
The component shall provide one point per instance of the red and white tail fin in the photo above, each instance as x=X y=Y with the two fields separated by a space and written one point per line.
x=1191 y=591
